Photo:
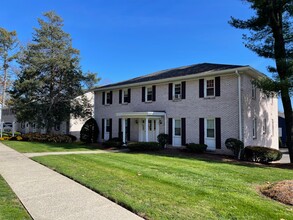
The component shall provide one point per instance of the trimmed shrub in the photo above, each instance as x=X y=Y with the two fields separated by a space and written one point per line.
x=235 y=145
x=89 y=132
x=163 y=139
x=113 y=142
x=144 y=146
x=196 y=148
x=37 y=137
x=261 y=154
x=73 y=138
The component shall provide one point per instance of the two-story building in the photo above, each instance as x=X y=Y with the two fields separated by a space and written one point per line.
x=202 y=103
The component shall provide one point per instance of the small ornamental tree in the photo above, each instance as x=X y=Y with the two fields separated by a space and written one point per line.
x=90 y=131
x=235 y=145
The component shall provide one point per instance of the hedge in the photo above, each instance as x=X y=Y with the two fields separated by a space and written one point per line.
x=144 y=146
x=261 y=154
x=196 y=148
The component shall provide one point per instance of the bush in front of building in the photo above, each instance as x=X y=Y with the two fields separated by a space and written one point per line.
x=115 y=142
x=235 y=145
x=90 y=131
x=196 y=148
x=144 y=146
x=163 y=139
x=261 y=154
x=54 y=138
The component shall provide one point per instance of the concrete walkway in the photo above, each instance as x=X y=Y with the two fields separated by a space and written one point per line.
x=48 y=195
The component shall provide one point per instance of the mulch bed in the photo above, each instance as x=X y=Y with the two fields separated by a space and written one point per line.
x=280 y=191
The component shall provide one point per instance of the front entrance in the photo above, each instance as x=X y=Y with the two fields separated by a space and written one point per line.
x=153 y=130
x=177 y=133
x=210 y=139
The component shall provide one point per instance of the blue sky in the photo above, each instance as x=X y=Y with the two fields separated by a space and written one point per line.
x=122 y=39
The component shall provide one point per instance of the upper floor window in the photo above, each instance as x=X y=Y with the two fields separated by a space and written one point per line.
x=264 y=126
x=107 y=98
x=148 y=94
x=209 y=88
x=177 y=91
x=125 y=94
x=253 y=91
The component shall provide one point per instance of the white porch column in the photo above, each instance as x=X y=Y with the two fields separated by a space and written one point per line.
x=147 y=130
x=157 y=128
x=123 y=131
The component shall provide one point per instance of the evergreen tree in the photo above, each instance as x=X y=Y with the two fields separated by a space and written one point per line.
x=271 y=36
x=8 y=44
x=50 y=77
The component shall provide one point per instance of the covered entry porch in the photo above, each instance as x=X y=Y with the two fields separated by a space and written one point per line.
x=148 y=124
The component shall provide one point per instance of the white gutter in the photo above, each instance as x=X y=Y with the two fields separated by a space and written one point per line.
x=239 y=105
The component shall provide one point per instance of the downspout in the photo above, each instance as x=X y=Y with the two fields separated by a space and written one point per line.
x=239 y=105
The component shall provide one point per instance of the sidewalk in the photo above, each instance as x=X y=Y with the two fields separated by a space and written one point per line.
x=48 y=195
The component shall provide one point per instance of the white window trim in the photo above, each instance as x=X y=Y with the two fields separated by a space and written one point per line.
x=206 y=127
x=179 y=96
x=254 y=128
x=146 y=93
x=205 y=87
x=123 y=95
x=106 y=100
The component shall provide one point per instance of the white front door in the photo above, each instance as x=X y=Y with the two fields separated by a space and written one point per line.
x=210 y=139
x=177 y=132
x=152 y=130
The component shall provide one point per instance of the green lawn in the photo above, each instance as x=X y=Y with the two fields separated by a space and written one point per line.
x=10 y=207
x=35 y=147
x=162 y=187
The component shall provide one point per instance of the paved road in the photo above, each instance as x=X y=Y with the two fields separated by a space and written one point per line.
x=48 y=195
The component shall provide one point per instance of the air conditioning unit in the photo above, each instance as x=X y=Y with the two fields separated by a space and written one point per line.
x=177 y=96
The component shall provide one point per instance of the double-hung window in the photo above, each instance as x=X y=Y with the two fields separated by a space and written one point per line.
x=209 y=88
x=253 y=91
x=254 y=128
x=210 y=128
x=125 y=94
x=149 y=94
x=177 y=129
x=108 y=125
x=177 y=91
x=108 y=98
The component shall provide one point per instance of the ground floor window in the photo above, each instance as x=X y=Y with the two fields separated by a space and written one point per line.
x=254 y=127
x=210 y=128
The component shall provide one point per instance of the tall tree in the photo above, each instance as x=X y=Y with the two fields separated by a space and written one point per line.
x=8 y=44
x=271 y=36
x=50 y=77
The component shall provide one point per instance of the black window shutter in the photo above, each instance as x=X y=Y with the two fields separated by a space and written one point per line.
x=120 y=96
x=111 y=97
x=103 y=98
x=103 y=128
x=218 y=133
x=217 y=86
x=183 y=87
x=143 y=94
x=129 y=95
x=183 y=131
x=170 y=133
x=201 y=88
x=201 y=130
x=170 y=91
x=110 y=135
x=120 y=128
x=128 y=129
x=154 y=93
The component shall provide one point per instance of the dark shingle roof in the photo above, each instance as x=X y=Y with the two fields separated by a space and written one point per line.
x=176 y=72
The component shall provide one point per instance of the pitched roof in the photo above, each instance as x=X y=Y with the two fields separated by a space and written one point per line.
x=176 y=72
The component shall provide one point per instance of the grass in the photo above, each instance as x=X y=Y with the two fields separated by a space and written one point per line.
x=164 y=187
x=36 y=147
x=10 y=207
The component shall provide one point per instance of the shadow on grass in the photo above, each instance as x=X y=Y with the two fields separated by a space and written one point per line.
x=211 y=158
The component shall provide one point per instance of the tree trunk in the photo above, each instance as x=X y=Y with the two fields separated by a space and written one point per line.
x=4 y=83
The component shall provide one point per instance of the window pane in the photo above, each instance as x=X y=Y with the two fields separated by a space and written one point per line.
x=210 y=123
x=210 y=92
x=210 y=133
x=210 y=88
x=107 y=125
x=178 y=127
x=125 y=97
x=149 y=94
x=210 y=128
x=108 y=97
x=177 y=89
